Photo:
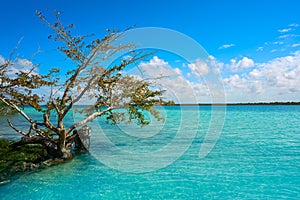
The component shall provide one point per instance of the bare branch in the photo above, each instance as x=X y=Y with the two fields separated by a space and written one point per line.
x=88 y=119
x=48 y=123
x=17 y=130
x=17 y=108
x=15 y=49
x=87 y=87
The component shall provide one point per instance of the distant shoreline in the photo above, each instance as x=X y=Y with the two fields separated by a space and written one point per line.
x=231 y=104
x=244 y=104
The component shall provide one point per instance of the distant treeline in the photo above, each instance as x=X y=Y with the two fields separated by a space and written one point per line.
x=241 y=104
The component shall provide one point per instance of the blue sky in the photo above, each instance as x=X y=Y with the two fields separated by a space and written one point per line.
x=254 y=43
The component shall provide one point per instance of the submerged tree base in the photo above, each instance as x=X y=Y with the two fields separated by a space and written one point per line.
x=27 y=158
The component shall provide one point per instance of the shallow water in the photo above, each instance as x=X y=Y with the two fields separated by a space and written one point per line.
x=256 y=157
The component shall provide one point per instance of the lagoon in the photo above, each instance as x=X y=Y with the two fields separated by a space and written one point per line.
x=257 y=156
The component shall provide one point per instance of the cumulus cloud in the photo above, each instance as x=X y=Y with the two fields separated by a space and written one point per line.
x=178 y=71
x=18 y=65
x=256 y=87
x=241 y=89
x=176 y=85
x=214 y=63
x=281 y=73
x=247 y=81
x=225 y=46
x=274 y=80
x=169 y=79
x=199 y=68
x=235 y=81
x=156 y=62
x=157 y=67
x=244 y=63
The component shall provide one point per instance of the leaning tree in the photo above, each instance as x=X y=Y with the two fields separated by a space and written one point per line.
x=117 y=96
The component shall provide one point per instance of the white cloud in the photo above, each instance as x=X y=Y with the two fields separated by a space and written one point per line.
x=280 y=73
x=170 y=79
x=285 y=42
x=213 y=62
x=260 y=49
x=274 y=80
x=24 y=62
x=255 y=74
x=278 y=42
x=285 y=30
x=201 y=92
x=199 y=68
x=296 y=45
x=157 y=67
x=18 y=65
x=288 y=36
x=244 y=63
x=178 y=71
x=155 y=61
x=293 y=25
x=225 y=46
x=235 y=81
x=284 y=36
x=256 y=88
x=177 y=87
x=22 y=65
x=241 y=89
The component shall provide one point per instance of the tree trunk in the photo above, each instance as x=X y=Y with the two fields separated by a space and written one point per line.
x=63 y=150
x=79 y=145
x=50 y=146
x=62 y=147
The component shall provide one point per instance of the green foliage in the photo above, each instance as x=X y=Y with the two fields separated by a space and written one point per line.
x=18 y=88
x=13 y=160
x=6 y=110
x=4 y=144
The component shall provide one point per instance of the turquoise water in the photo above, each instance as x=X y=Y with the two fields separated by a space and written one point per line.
x=256 y=157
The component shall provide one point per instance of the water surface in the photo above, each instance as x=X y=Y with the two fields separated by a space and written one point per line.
x=256 y=157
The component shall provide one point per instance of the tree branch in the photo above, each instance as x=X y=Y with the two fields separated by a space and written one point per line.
x=12 y=105
x=88 y=119
x=17 y=130
x=79 y=96
x=48 y=123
